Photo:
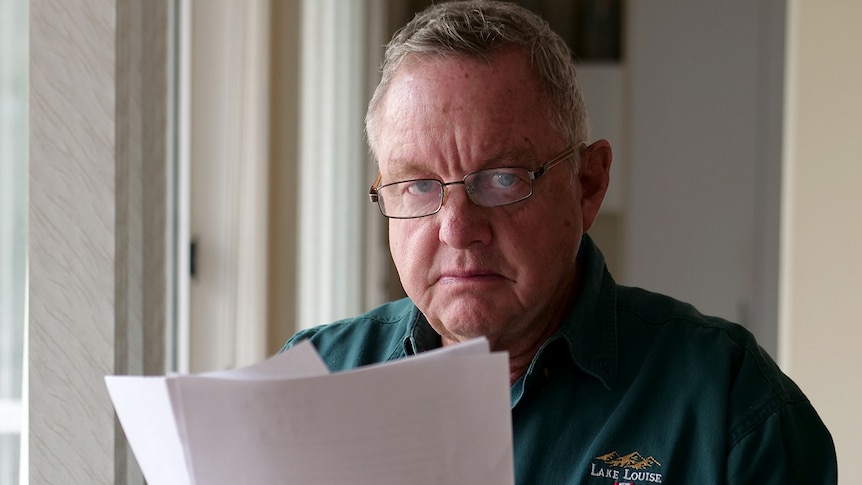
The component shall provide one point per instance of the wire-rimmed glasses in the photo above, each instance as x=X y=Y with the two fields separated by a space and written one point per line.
x=491 y=187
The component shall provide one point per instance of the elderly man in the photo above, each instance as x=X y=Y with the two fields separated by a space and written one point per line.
x=490 y=185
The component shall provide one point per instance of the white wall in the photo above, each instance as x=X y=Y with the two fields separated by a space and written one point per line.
x=729 y=187
x=821 y=291
x=97 y=217
x=704 y=94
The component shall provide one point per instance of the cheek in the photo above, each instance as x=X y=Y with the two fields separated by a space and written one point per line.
x=396 y=243
x=551 y=247
x=410 y=244
x=556 y=238
x=572 y=227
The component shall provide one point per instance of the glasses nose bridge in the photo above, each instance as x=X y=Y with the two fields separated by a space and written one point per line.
x=467 y=188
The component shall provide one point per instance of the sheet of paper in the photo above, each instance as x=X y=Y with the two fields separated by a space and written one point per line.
x=384 y=425
x=146 y=414
x=300 y=360
x=439 y=418
x=155 y=432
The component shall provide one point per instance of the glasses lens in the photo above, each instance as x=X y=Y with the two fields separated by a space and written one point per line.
x=499 y=186
x=413 y=198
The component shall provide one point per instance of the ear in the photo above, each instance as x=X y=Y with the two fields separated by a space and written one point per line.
x=594 y=176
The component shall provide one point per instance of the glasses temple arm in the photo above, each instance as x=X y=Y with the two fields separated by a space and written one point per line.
x=372 y=192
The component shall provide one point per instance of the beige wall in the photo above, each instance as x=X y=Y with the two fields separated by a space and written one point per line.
x=821 y=291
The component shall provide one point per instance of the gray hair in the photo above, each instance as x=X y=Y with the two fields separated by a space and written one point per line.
x=477 y=29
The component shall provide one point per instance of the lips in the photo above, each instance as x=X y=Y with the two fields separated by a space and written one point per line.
x=467 y=275
x=466 y=268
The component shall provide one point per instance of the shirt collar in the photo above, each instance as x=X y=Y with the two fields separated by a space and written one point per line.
x=420 y=335
x=589 y=330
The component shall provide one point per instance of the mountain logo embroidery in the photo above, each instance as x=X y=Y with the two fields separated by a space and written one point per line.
x=626 y=469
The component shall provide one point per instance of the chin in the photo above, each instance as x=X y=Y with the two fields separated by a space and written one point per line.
x=462 y=329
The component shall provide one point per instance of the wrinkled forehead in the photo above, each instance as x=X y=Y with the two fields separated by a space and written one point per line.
x=428 y=95
x=487 y=85
x=449 y=117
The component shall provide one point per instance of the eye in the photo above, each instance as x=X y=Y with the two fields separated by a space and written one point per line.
x=421 y=187
x=504 y=180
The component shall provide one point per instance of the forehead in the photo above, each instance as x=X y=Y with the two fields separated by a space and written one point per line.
x=463 y=111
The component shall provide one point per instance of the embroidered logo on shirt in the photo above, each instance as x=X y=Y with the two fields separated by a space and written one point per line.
x=626 y=469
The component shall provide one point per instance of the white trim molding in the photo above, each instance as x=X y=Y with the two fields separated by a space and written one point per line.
x=332 y=161
x=228 y=183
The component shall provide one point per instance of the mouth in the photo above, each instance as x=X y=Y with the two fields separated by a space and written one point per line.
x=470 y=277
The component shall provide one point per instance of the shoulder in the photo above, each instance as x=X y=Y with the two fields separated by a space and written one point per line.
x=725 y=351
x=657 y=317
x=766 y=413
x=720 y=356
x=375 y=336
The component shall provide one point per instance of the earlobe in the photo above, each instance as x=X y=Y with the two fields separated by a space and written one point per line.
x=594 y=176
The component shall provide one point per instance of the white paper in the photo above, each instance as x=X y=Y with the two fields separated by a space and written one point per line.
x=145 y=412
x=442 y=417
x=300 y=360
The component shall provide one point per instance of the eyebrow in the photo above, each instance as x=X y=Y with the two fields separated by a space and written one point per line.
x=513 y=156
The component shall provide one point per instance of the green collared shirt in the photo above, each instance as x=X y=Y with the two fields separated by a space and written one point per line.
x=634 y=387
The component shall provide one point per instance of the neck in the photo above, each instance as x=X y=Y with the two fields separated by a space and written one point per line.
x=519 y=362
x=524 y=350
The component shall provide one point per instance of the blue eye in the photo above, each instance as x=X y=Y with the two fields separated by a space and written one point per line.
x=422 y=187
x=504 y=179
x=500 y=179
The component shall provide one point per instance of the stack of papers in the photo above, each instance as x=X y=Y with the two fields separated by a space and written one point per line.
x=442 y=417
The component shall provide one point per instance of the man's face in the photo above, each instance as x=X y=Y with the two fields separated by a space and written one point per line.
x=502 y=272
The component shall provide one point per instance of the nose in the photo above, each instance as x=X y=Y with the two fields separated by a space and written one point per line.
x=462 y=223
